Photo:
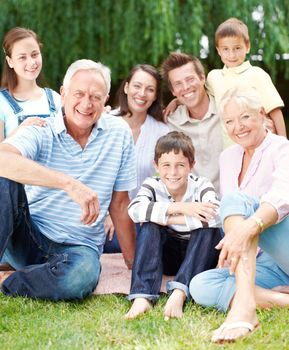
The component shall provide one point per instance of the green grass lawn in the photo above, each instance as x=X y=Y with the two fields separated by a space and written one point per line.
x=98 y=323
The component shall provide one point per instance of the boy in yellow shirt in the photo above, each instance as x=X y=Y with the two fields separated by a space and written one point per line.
x=233 y=44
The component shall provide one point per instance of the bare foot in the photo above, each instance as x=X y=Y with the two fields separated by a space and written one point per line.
x=174 y=305
x=139 y=307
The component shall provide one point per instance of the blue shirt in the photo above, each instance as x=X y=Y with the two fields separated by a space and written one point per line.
x=106 y=164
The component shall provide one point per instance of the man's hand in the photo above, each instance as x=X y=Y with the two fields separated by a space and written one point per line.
x=87 y=199
x=108 y=227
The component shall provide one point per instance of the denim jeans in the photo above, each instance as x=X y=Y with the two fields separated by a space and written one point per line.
x=216 y=288
x=158 y=251
x=111 y=247
x=44 y=269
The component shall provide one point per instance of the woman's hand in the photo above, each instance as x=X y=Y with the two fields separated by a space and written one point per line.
x=171 y=107
x=108 y=227
x=236 y=243
x=107 y=108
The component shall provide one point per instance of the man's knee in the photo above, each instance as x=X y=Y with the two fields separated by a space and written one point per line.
x=80 y=279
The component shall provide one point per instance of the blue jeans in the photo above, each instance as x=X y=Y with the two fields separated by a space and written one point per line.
x=44 y=269
x=113 y=246
x=215 y=288
x=158 y=251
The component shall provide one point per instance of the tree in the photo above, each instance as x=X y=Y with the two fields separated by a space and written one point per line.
x=125 y=32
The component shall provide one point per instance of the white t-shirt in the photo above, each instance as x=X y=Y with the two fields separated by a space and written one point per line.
x=29 y=108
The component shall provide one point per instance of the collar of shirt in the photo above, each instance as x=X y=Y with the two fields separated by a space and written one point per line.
x=189 y=190
x=237 y=70
x=256 y=159
x=60 y=127
x=184 y=117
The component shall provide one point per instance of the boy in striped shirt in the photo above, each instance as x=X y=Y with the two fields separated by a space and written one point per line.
x=179 y=232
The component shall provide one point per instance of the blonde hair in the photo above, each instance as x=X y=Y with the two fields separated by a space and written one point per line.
x=245 y=97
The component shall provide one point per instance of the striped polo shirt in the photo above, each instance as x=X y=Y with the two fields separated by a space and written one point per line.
x=106 y=164
x=153 y=199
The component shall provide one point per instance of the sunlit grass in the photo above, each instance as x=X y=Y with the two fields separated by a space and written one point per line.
x=98 y=323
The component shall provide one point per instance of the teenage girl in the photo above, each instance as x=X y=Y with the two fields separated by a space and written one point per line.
x=20 y=95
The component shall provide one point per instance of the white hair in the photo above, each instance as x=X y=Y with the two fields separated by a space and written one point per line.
x=244 y=96
x=87 y=65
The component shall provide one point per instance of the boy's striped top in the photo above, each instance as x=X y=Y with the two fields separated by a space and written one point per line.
x=152 y=201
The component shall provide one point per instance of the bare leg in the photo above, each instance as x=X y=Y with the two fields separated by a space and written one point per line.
x=174 y=305
x=4 y=275
x=243 y=305
x=267 y=298
x=282 y=289
x=139 y=307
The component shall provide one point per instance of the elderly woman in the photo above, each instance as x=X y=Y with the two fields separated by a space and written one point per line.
x=254 y=176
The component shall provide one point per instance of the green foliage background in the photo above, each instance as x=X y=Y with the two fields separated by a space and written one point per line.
x=122 y=33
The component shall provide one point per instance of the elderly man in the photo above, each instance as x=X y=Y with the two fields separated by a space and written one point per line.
x=196 y=114
x=75 y=169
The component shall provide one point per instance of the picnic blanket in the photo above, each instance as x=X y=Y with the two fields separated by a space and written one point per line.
x=115 y=276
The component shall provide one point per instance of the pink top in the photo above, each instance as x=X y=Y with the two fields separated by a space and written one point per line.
x=267 y=176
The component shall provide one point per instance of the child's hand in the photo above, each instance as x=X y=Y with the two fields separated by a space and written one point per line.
x=201 y=211
x=171 y=107
x=269 y=124
x=34 y=121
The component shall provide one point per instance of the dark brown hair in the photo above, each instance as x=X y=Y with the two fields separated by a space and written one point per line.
x=155 y=109
x=9 y=77
x=176 y=60
x=175 y=141
x=230 y=28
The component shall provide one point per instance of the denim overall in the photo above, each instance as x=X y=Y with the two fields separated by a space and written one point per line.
x=17 y=109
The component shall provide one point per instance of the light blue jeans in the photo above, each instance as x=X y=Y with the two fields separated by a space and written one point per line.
x=215 y=288
x=44 y=269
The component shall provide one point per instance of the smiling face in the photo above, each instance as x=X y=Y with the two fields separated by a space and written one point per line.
x=244 y=125
x=187 y=86
x=141 y=92
x=232 y=50
x=26 y=59
x=173 y=170
x=83 y=101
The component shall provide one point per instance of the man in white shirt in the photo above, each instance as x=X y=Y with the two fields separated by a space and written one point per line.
x=196 y=114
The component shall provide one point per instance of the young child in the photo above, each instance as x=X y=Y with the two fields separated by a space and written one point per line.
x=20 y=96
x=233 y=44
x=179 y=231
